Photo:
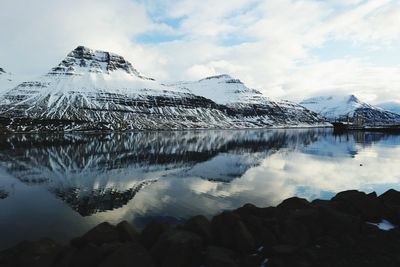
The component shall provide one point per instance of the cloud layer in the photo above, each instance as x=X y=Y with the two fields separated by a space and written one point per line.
x=286 y=48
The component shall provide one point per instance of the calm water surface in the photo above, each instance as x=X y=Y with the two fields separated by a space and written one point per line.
x=59 y=186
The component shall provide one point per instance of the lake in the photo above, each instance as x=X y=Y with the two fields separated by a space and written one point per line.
x=61 y=185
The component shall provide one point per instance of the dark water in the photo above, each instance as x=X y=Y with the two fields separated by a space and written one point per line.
x=59 y=186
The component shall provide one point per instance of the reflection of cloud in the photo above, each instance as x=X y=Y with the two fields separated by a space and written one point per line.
x=270 y=165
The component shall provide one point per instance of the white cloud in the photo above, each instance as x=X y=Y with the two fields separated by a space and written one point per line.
x=268 y=44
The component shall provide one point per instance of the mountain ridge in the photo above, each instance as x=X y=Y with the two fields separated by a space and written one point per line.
x=99 y=90
x=349 y=107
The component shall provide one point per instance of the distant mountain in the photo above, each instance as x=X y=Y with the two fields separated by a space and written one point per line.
x=391 y=106
x=98 y=90
x=349 y=107
x=249 y=106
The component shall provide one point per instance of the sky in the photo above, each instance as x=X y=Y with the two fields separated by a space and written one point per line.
x=288 y=49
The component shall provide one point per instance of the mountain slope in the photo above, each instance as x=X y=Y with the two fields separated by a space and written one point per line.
x=249 y=106
x=391 y=106
x=7 y=81
x=348 y=108
x=98 y=90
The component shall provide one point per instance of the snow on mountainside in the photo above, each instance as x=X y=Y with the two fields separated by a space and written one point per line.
x=391 y=106
x=349 y=107
x=7 y=81
x=92 y=90
x=249 y=105
x=98 y=90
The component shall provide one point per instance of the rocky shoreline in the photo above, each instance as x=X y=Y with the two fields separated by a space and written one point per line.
x=344 y=231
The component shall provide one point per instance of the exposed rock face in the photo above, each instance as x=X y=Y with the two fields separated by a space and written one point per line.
x=332 y=232
x=97 y=90
x=343 y=108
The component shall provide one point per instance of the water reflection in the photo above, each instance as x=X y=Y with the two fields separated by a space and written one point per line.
x=61 y=185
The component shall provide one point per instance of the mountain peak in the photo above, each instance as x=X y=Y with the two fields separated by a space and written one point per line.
x=84 y=59
x=225 y=78
x=2 y=71
x=353 y=98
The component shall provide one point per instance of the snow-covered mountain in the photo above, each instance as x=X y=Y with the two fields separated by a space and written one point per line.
x=7 y=81
x=391 y=106
x=98 y=90
x=249 y=106
x=349 y=107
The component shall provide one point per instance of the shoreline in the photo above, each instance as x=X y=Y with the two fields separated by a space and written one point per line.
x=351 y=229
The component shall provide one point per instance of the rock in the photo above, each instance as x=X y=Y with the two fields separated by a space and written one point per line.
x=250 y=209
x=391 y=196
x=391 y=206
x=229 y=231
x=151 y=233
x=295 y=233
x=262 y=234
x=102 y=233
x=283 y=249
x=220 y=257
x=294 y=203
x=201 y=226
x=129 y=254
x=337 y=223
x=178 y=248
x=31 y=253
x=359 y=204
x=87 y=255
x=127 y=232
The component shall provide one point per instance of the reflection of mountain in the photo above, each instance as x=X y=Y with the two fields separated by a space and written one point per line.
x=90 y=202
x=3 y=194
x=349 y=143
x=99 y=172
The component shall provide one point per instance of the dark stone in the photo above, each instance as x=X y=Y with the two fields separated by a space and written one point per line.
x=102 y=233
x=294 y=233
x=201 y=226
x=127 y=232
x=391 y=206
x=261 y=232
x=250 y=209
x=129 y=254
x=294 y=203
x=178 y=248
x=229 y=231
x=88 y=255
x=31 y=253
x=220 y=257
x=284 y=249
x=391 y=196
x=359 y=204
x=151 y=233
x=337 y=223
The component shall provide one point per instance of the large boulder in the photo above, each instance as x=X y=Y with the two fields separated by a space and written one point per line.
x=229 y=231
x=31 y=253
x=220 y=257
x=294 y=203
x=151 y=233
x=178 y=248
x=102 y=233
x=391 y=206
x=127 y=255
x=337 y=223
x=201 y=226
x=367 y=206
x=127 y=232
